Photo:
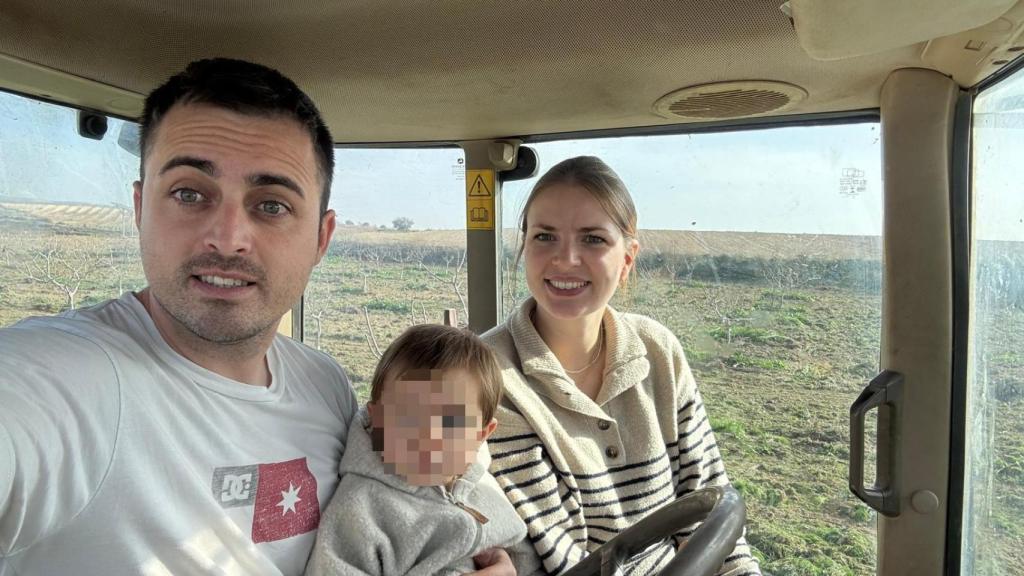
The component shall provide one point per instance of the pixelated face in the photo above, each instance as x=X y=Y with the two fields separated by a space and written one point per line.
x=428 y=425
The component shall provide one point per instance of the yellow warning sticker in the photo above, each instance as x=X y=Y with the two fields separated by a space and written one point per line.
x=480 y=199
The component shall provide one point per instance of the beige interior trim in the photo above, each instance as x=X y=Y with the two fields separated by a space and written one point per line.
x=25 y=77
x=917 y=123
x=837 y=29
x=395 y=71
x=972 y=55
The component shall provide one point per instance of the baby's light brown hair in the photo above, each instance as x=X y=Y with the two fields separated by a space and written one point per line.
x=428 y=347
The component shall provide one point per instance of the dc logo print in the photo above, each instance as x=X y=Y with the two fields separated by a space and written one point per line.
x=235 y=485
x=282 y=494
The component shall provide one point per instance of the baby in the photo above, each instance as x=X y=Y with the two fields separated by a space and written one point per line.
x=415 y=496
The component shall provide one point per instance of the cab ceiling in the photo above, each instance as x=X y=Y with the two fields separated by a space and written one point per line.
x=419 y=71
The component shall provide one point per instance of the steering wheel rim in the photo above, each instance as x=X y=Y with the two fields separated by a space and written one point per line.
x=722 y=514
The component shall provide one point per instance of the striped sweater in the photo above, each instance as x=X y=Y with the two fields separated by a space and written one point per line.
x=579 y=471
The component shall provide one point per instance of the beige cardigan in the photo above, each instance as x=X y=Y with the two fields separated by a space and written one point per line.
x=579 y=471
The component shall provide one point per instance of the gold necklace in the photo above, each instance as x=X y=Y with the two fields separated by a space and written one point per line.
x=600 y=348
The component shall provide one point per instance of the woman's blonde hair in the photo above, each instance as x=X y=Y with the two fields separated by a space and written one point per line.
x=597 y=178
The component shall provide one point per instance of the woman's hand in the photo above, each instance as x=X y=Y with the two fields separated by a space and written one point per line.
x=494 y=562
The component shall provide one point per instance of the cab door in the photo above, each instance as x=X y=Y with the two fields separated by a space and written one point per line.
x=992 y=519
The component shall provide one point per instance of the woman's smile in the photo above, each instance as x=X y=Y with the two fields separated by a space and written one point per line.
x=566 y=287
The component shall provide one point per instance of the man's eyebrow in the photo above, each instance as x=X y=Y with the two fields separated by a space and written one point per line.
x=200 y=164
x=260 y=180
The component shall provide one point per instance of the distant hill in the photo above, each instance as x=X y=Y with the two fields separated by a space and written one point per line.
x=82 y=218
x=653 y=242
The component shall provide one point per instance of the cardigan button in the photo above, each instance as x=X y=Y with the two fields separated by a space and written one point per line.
x=604 y=424
x=612 y=452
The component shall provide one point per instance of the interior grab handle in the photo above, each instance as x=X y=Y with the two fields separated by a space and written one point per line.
x=884 y=392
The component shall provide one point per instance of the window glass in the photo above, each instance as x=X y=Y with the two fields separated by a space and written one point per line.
x=994 y=483
x=398 y=257
x=68 y=239
x=67 y=236
x=761 y=251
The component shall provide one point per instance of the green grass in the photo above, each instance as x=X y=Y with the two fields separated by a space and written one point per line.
x=732 y=427
x=789 y=296
x=813 y=550
x=741 y=360
x=388 y=306
x=749 y=333
x=767 y=495
x=791 y=318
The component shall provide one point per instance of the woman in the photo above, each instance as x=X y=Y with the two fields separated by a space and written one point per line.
x=601 y=421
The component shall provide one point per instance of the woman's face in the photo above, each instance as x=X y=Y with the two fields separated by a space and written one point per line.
x=575 y=255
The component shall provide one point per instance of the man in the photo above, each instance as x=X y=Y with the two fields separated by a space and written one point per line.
x=173 y=431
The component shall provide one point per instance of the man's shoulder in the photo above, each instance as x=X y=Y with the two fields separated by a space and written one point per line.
x=316 y=370
x=306 y=359
x=110 y=319
x=69 y=337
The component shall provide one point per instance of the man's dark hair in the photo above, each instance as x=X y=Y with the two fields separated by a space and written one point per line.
x=245 y=88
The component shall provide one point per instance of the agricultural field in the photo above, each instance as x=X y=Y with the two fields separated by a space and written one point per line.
x=782 y=333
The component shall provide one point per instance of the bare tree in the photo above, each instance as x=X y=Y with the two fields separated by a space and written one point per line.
x=786 y=274
x=452 y=277
x=366 y=280
x=372 y=255
x=121 y=260
x=669 y=264
x=371 y=338
x=418 y=315
x=318 y=317
x=369 y=255
x=5 y=249
x=63 y=268
x=317 y=302
x=406 y=254
x=508 y=282
x=723 y=307
x=127 y=220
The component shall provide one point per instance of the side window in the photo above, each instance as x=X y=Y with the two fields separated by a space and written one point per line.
x=761 y=251
x=993 y=522
x=67 y=234
x=398 y=257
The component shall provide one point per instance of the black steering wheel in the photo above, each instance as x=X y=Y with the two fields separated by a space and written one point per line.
x=719 y=507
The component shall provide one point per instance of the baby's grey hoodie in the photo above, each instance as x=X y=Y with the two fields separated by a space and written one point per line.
x=376 y=523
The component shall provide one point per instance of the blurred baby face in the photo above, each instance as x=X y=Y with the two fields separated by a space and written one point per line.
x=428 y=425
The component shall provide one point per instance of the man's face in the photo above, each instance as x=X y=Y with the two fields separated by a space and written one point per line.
x=229 y=221
x=431 y=428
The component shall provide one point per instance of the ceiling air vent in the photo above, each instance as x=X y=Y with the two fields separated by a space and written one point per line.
x=721 y=100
